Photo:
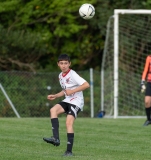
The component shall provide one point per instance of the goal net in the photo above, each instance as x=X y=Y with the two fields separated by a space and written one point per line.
x=128 y=42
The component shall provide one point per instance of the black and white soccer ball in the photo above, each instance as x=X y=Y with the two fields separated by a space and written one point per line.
x=87 y=11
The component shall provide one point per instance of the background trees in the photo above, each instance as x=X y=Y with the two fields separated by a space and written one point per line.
x=34 y=33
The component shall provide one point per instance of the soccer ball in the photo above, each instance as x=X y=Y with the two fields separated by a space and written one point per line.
x=87 y=11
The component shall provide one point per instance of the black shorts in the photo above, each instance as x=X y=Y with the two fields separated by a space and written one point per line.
x=148 y=89
x=70 y=109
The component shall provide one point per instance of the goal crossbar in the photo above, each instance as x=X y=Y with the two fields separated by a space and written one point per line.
x=130 y=11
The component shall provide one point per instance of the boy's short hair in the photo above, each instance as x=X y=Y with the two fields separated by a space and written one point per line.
x=64 y=57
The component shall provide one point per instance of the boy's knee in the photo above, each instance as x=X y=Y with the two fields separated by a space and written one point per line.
x=147 y=104
x=68 y=124
x=52 y=110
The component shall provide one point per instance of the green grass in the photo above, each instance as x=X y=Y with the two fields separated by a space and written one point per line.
x=95 y=139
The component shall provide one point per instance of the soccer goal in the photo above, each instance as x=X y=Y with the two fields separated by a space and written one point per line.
x=128 y=42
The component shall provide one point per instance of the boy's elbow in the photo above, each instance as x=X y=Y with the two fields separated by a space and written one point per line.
x=88 y=85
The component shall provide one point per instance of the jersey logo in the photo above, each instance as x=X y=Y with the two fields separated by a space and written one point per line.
x=67 y=80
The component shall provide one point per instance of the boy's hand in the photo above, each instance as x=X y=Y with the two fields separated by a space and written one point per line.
x=51 y=97
x=143 y=87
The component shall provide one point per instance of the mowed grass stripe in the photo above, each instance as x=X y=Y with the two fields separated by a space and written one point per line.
x=95 y=139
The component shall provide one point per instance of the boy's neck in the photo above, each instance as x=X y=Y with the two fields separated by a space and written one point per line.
x=65 y=73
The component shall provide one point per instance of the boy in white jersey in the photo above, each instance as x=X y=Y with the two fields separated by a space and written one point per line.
x=72 y=86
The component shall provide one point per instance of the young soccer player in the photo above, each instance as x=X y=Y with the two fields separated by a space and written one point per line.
x=72 y=86
x=147 y=89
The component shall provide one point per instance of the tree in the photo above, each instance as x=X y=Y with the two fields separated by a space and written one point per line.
x=54 y=27
x=20 y=50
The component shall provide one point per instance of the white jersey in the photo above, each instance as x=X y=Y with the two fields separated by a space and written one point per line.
x=72 y=80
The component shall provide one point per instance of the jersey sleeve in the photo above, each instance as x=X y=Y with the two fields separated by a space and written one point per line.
x=79 y=80
x=145 y=69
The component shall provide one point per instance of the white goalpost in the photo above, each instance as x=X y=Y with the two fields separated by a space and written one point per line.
x=128 y=42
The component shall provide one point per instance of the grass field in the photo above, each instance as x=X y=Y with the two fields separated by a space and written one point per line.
x=95 y=139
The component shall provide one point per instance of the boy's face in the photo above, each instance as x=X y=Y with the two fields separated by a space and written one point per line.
x=64 y=65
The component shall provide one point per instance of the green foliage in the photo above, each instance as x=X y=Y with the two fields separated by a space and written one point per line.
x=147 y=4
x=28 y=92
x=60 y=29
x=20 y=50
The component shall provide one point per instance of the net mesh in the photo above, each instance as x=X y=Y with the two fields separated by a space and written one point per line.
x=134 y=46
x=28 y=93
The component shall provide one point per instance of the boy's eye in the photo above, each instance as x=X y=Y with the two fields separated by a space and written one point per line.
x=63 y=63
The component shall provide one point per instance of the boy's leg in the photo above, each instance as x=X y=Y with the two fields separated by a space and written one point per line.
x=54 y=112
x=70 y=132
x=148 y=110
x=55 y=127
x=71 y=116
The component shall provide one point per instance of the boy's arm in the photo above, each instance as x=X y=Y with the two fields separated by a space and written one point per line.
x=54 y=96
x=145 y=71
x=84 y=86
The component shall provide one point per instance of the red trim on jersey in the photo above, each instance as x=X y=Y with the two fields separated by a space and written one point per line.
x=64 y=74
x=73 y=98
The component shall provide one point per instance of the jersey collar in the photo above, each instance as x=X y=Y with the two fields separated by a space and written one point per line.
x=63 y=75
